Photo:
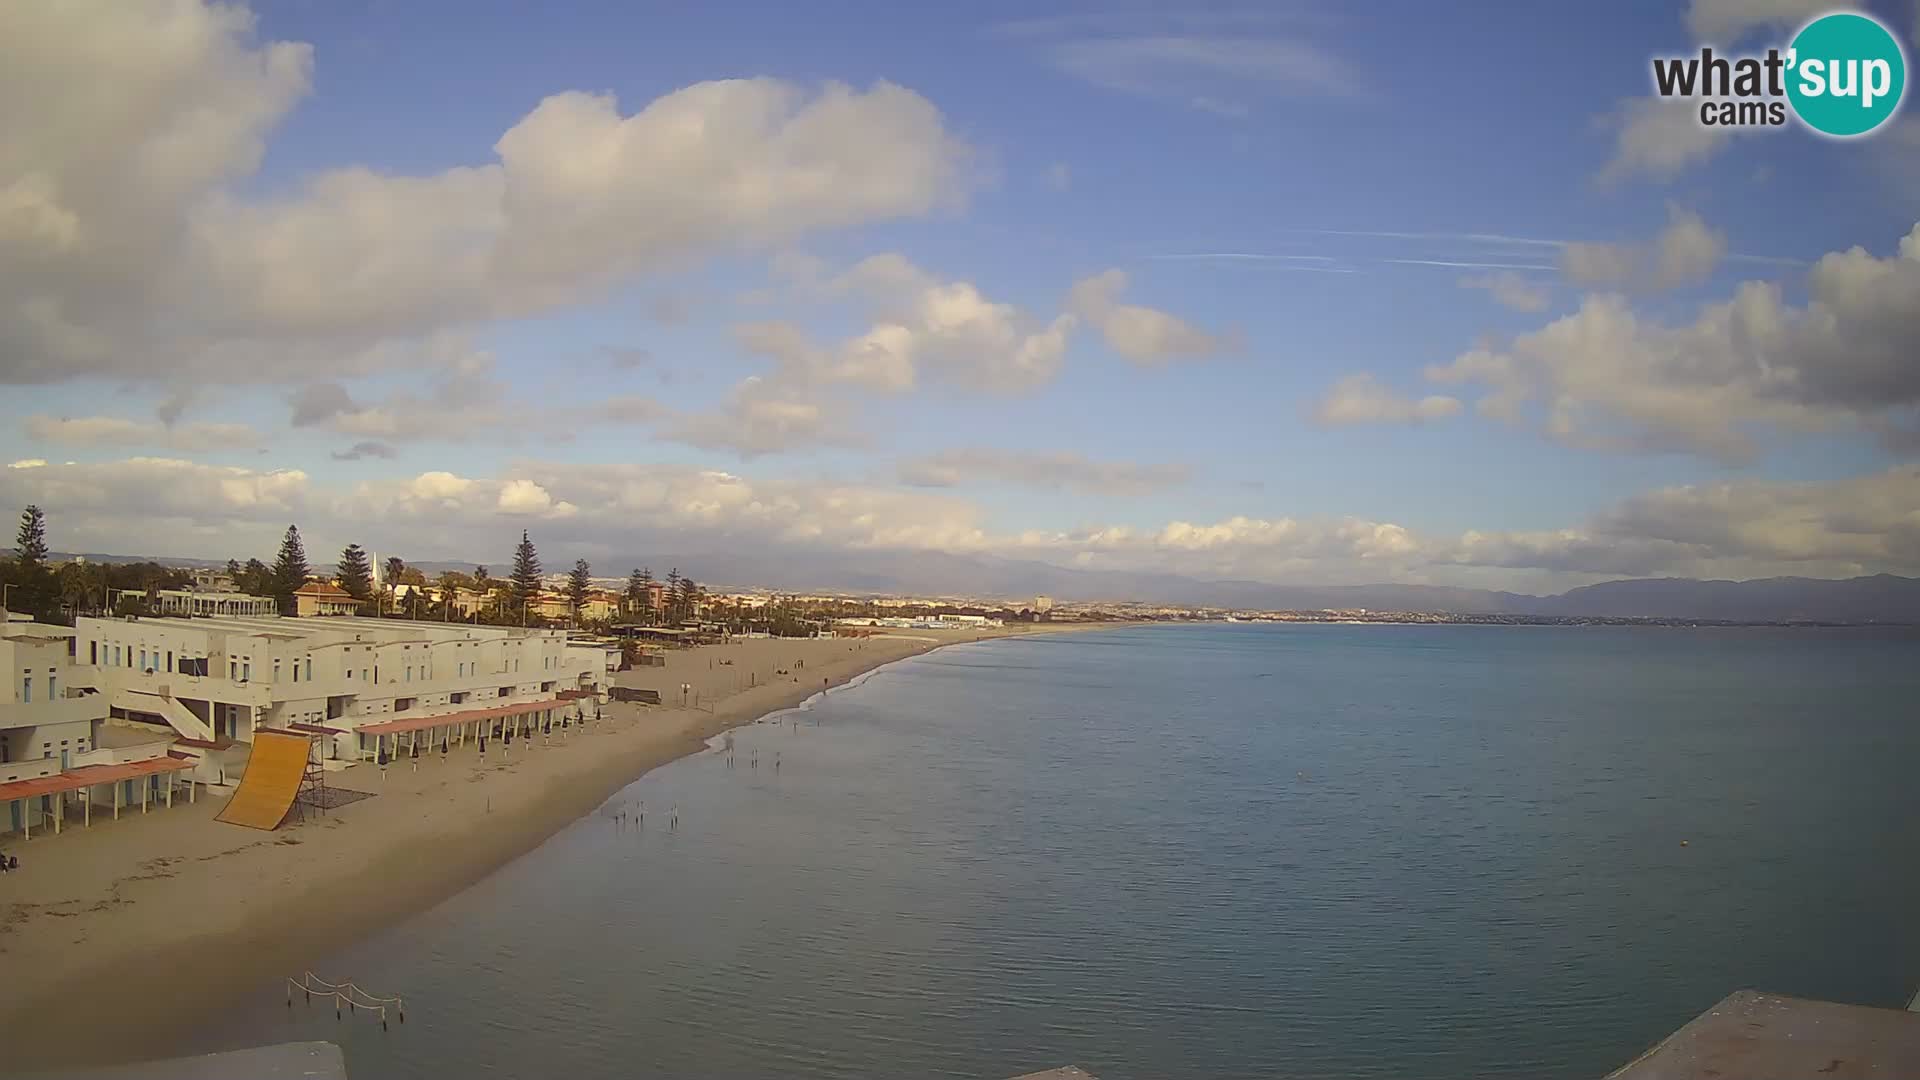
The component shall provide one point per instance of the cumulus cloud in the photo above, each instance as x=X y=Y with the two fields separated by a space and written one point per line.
x=760 y=417
x=1686 y=252
x=1144 y=335
x=1056 y=471
x=1751 y=528
x=1840 y=528
x=918 y=323
x=119 y=431
x=126 y=248
x=1660 y=138
x=1510 y=290
x=459 y=404
x=1604 y=377
x=524 y=497
x=1364 y=399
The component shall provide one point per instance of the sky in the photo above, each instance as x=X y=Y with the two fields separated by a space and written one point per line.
x=1281 y=292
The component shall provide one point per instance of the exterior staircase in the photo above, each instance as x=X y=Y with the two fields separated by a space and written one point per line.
x=177 y=716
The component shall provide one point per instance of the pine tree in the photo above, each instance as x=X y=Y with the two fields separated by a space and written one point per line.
x=688 y=600
x=30 y=546
x=290 y=569
x=233 y=572
x=579 y=583
x=526 y=575
x=636 y=592
x=31 y=581
x=672 y=598
x=356 y=573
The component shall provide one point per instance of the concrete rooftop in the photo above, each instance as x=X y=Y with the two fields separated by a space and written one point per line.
x=1755 y=1036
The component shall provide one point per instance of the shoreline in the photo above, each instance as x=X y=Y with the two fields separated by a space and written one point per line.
x=204 y=911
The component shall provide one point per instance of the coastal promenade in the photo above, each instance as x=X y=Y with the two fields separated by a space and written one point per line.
x=209 y=911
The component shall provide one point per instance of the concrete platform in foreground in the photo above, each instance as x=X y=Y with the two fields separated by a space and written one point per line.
x=286 y=1061
x=1757 y=1036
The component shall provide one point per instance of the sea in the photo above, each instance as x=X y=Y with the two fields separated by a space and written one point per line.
x=1207 y=851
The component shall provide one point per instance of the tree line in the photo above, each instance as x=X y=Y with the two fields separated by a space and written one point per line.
x=52 y=593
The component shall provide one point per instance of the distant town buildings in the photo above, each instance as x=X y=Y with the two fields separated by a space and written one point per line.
x=1042 y=604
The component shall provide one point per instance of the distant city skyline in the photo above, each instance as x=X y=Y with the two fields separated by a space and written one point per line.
x=1233 y=292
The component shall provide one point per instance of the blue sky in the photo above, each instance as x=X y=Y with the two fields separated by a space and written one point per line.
x=1400 y=294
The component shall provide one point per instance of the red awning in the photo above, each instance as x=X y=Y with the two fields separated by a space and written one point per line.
x=417 y=723
x=89 y=775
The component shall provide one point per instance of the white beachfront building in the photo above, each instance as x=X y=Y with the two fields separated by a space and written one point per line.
x=45 y=719
x=57 y=748
x=225 y=677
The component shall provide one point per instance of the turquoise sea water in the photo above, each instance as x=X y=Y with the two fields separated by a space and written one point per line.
x=1220 y=851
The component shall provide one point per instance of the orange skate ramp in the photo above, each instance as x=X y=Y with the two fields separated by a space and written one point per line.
x=271 y=781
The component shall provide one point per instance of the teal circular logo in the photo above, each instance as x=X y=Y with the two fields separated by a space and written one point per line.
x=1846 y=74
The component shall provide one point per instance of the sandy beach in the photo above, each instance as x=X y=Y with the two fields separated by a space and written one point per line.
x=118 y=940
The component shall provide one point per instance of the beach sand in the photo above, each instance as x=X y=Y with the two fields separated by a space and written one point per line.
x=117 y=942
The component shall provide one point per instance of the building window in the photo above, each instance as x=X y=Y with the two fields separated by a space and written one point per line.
x=233 y=669
x=93 y=653
x=409 y=673
x=116 y=657
x=53 y=688
x=246 y=671
x=309 y=669
x=276 y=670
x=26 y=690
x=349 y=673
x=169 y=660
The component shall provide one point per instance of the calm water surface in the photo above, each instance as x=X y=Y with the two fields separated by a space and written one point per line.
x=1227 y=851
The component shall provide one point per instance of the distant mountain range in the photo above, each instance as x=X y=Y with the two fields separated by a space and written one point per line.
x=1882 y=598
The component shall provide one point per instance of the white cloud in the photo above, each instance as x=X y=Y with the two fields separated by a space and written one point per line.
x=1661 y=138
x=1363 y=399
x=1603 y=377
x=1511 y=290
x=1056 y=471
x=119 y=431
x=1686 y=252
x=115 y=121
x=1753 y=528
x=919 y=322
x=461 y=403
x=761 y=417
x=1144 y=335
x=524 y=497
x=126 y=249
x=1841 y=528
